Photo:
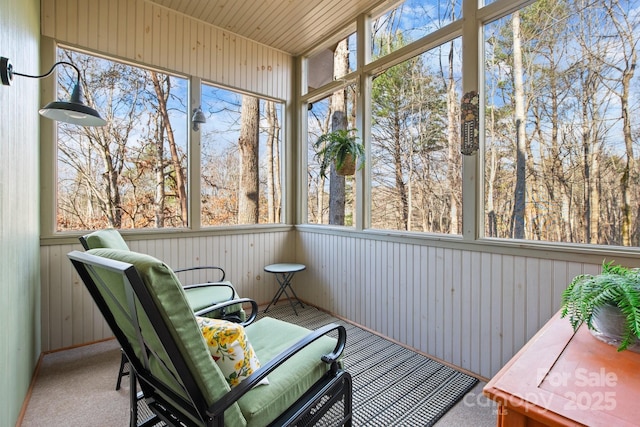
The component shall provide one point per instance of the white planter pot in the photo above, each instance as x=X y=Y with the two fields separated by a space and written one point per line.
x=609 y=323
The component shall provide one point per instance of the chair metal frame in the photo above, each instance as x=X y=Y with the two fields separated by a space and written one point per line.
x=223 y=274
x=174 y=410
x=233 y=317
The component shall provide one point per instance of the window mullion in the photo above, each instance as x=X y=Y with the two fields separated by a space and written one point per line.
x=472 y=209
x=363 y=120
x=195 y=176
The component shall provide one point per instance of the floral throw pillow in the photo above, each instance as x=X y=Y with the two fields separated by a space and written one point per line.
x=230 y=349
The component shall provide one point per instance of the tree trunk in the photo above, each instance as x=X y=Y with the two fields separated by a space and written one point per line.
x=587 y=141
x=338 y=121
x=248 y=197
x=453 y=156
x=337 y=182
x=517 y=225
x=630 y=59
x=162 y=90
x=403 y=202
x=159 y=172
x=113 y=200
x=273 y=164
x=491 y=162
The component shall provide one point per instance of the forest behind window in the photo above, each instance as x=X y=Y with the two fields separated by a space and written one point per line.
x=559 y=147
x=561 y=133
x=415 y=162
x=133 y=173
x=330 y=198
x=559 y=141
x=240 y=179
x=416 y=182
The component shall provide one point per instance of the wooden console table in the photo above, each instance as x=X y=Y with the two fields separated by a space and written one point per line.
x=564 y=379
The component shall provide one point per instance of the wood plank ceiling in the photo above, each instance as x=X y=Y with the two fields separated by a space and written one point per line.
x=292 y=26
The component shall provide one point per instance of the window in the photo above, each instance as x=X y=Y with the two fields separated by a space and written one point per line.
x=410 y=21
x=331 y=198
x=416 y=182
x=322 y=67
x=130 y=173
x=561 y=138
x=134 y=172
x=413 y=143
x=241 y=152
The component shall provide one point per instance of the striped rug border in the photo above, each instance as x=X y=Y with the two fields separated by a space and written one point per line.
x=392 y=385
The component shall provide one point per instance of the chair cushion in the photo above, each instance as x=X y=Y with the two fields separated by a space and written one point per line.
x=230 y=349
x=107 y=238
x=169 y=296
x=198 y=297
x=287 y=383
x=201 y=297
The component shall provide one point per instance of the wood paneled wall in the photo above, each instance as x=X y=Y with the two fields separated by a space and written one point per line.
x=472 y=309
x=146 y=33
x=69 y=316
x=19 y=207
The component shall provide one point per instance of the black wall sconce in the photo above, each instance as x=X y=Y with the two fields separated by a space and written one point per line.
x=73 y=111
x=198 y=118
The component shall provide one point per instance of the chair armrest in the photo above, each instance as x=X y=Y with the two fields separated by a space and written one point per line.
x=207 y=284
x=250 y=318
x=246 y=385
x=204 y=267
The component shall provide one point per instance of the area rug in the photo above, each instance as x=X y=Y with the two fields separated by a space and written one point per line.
x=392 y=385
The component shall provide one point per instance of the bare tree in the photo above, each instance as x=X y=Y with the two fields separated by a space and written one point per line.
x=248 y=198
x=97 y=156
x=519 y=198
x=162 y=88
x=453 y=143
x=626 y=33
x=157 y=142
x=338 y=121
x=316 y=181
x=273 y=163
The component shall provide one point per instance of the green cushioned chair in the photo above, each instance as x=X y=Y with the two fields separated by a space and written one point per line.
x=145 y=305
x=200 y=296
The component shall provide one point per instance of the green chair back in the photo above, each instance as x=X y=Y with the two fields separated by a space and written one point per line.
x=145 y=305
x=107 y=238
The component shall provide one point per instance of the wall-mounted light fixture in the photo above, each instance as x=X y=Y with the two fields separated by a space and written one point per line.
x=73 y=111
x=198 y=118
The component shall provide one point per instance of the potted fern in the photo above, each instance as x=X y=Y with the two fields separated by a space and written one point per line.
x=340 y=147
x=609 y=303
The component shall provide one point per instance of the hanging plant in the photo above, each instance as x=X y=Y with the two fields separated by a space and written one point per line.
x=340 y=147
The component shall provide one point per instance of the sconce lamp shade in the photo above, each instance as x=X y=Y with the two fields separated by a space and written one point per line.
x=73 y=111
x=198 y=118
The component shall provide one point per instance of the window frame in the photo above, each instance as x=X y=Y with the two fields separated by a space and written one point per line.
x=49 y=160
x=364 y=74
x=196 y=94
x=294 y=214
x=472 y=237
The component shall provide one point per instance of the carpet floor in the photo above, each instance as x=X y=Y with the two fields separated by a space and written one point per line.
x=76 y=387
x=392 y=385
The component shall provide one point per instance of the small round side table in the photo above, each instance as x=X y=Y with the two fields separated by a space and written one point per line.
x=284 y=272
